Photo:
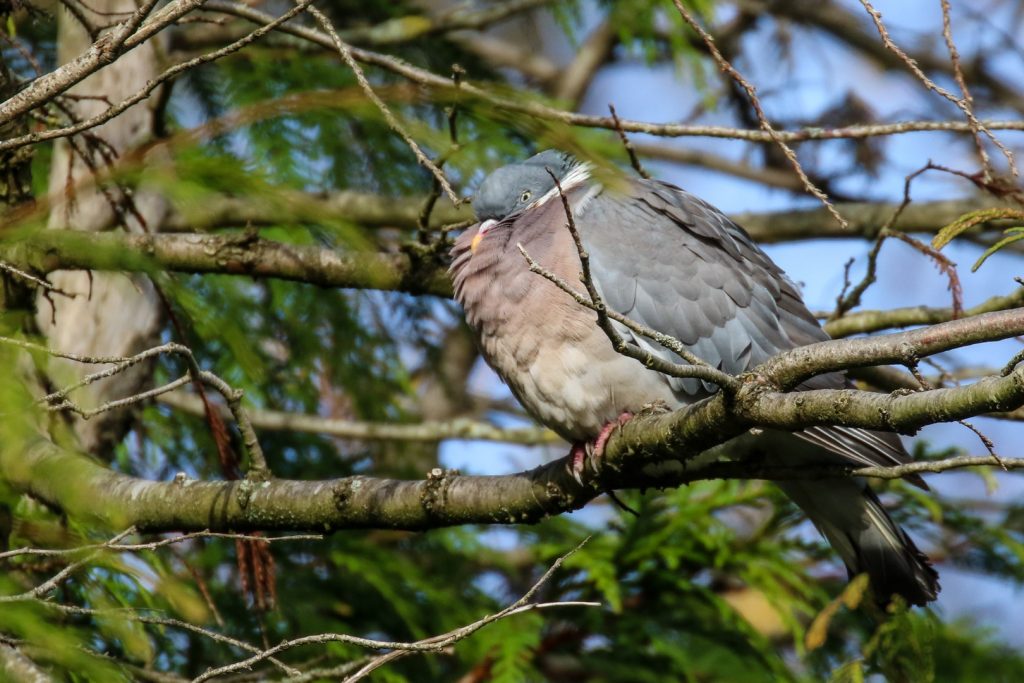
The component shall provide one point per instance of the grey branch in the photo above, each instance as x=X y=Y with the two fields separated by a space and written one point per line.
x=146 y=90
x=248 y=254
x=447 y=498
x=864 y=322
x=460 y=428
x=123 y=37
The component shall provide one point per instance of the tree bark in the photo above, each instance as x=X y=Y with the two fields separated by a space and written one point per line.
x=112 y=314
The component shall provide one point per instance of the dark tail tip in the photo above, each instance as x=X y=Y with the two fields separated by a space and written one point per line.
x=894 y=564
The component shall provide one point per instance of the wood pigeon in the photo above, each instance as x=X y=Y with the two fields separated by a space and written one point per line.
x=674 y=263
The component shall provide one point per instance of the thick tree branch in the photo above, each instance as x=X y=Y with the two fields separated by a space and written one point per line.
x=906 y=348
x=370 y=210
x=865 y=219
x=237 y=254
x=292 y=207
x=247 y=254
x=74 y=483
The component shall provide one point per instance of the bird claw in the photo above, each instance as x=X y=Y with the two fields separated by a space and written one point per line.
x=593 y=451
x=579 y=461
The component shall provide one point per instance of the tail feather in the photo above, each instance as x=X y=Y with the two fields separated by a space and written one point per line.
x=848 y=513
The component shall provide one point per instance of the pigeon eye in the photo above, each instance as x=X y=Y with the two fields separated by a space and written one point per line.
x=525 y=196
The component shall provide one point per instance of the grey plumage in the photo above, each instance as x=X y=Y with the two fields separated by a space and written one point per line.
x=676 y=264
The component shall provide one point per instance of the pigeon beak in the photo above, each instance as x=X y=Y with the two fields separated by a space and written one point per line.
x=481 y=231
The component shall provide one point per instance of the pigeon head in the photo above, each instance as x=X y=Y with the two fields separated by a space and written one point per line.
x=511 y=189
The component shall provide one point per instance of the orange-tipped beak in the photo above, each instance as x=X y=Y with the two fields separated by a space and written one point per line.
x=481 y=231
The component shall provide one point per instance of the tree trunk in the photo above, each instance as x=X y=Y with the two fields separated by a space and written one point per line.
x=112 y=314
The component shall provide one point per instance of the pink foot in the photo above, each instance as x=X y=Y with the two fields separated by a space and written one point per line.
x=594 y=450
x=602 y=438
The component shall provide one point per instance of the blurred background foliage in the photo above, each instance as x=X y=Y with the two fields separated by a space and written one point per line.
x=718 y=581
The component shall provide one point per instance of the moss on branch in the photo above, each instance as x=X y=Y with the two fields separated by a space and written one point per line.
x=75 y=483
x=234 y=253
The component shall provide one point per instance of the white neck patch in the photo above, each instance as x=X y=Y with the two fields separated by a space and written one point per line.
x=578 y=175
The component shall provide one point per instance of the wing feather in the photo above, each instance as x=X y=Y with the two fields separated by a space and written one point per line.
x=676 y=264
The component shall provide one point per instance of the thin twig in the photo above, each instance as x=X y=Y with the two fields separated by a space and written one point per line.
x=346 y=54
x=114 y=546
x=428 y=431
x=962 y=103
x=151 y=85
x=433 y=644
x=132 y=615
x=766 y=125
x=926 y=385
x=58 y=400
x=701 y=371
x=697 y=368
x=634 y=160
x=48 y=289
x=423 y=219
x=89 y=413
x=54 y=581
x=847 y=301
x=945 y=266
x=968 y=99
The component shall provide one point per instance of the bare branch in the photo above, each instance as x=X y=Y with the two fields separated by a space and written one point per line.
x=432 y=644
x=374 y=211
x=273 y=420
x=123 y=37
x=346 y=55
x=543 y=112
x=117 y=109
x=32 y=279
x=54 y=581
x=58 y=400
x=118 y=547
x=967 y=99
x=239 y=254
x=963 y=103
x=634 y=161
x=446 y=498
x=873 y=321
x=905 y=348
x=766 y=125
